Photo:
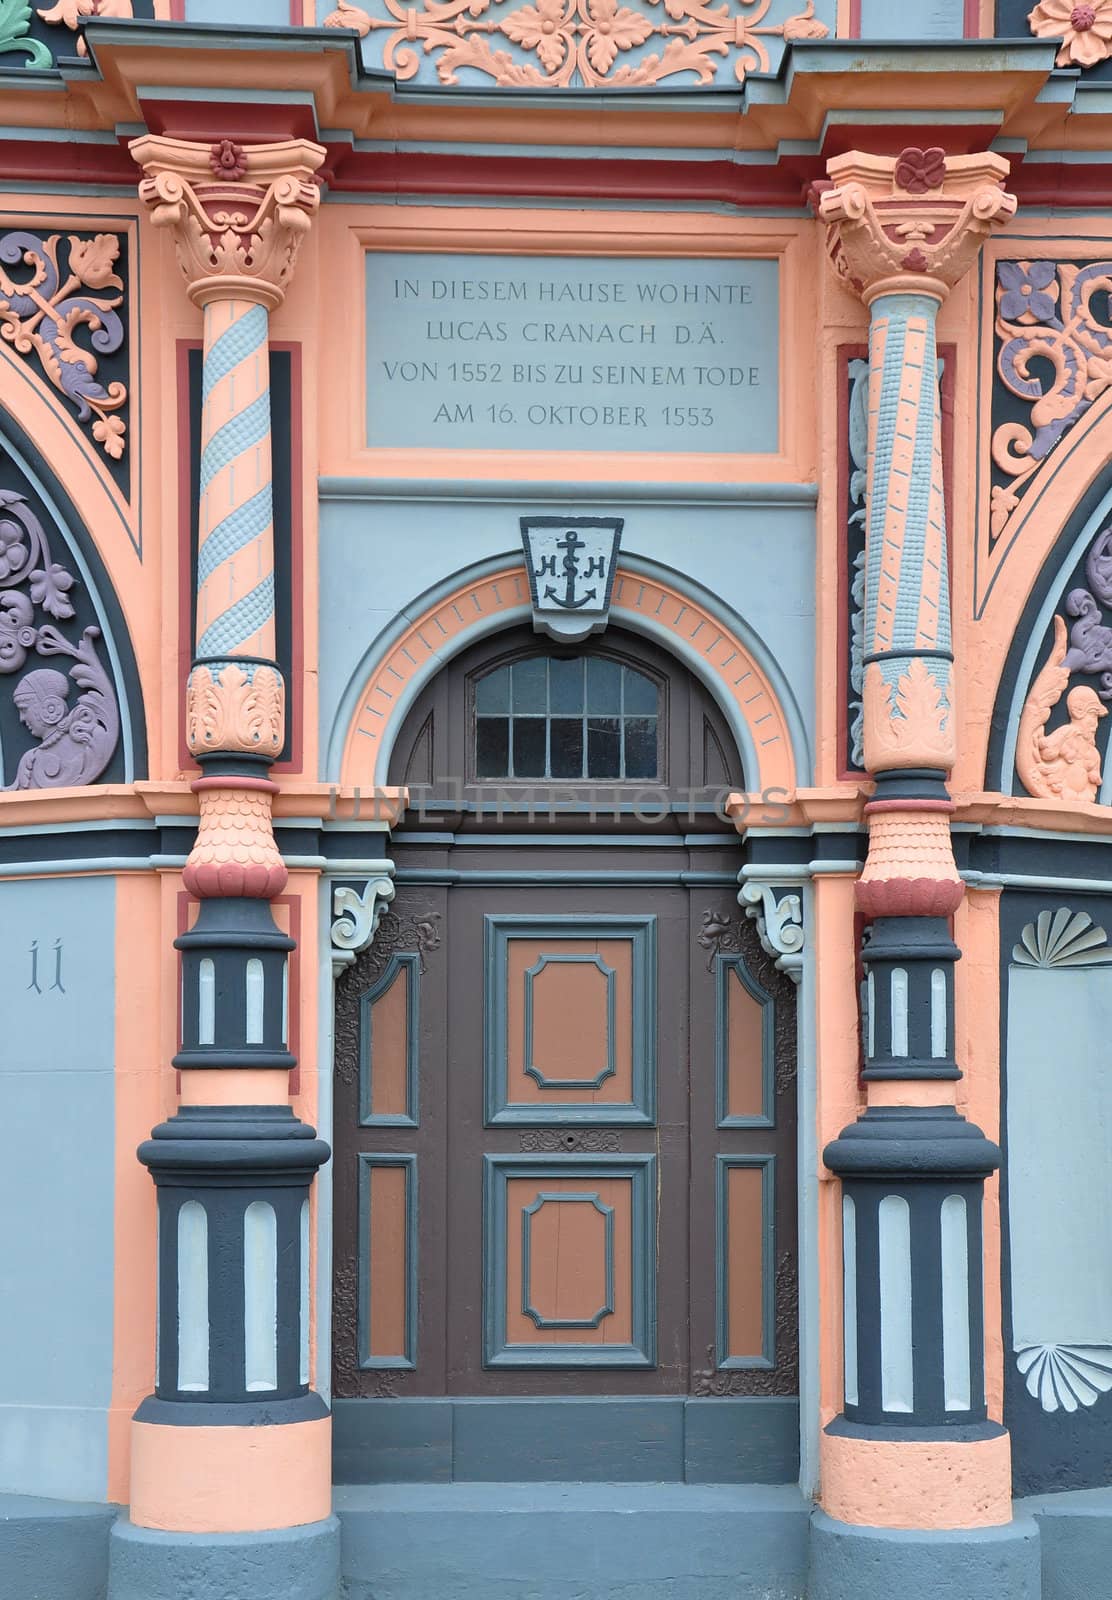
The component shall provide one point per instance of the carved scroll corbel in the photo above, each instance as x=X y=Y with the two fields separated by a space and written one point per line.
x=777 y=910
x=358 y=910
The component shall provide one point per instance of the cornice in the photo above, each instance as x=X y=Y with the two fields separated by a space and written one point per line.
x=254 y=84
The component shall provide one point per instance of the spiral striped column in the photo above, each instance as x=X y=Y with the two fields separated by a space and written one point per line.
x=235 y=553
x=231 y=1468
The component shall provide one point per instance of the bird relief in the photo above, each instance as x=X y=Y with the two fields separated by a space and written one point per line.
x=73 y=716
x=1065 y=764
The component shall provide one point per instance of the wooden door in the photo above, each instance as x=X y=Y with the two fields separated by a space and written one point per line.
x=564 y=1109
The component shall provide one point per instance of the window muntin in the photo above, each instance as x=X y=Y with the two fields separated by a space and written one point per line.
x=571 y=717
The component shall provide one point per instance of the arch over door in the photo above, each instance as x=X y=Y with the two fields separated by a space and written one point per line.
x=565 y=1121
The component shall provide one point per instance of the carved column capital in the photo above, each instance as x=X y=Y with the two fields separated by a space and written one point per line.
x=912 y=223
x=238 y=213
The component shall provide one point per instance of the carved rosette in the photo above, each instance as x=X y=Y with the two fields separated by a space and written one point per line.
x=238 y=214
x=914 y=222
x=235 y=707
x=235 y=853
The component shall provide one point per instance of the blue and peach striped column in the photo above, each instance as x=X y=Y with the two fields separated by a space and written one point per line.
x=913 y=1447
x=234 y=1441
x=235 y=555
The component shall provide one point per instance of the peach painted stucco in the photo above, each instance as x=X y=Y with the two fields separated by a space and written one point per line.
x=231 y=1480
x=882 y=1483
x=837 y=1037
x=977 y=1034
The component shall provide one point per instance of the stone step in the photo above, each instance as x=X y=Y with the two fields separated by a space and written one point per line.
x=565 y=1541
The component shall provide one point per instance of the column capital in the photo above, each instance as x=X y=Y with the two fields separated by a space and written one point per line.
x=912 y=223
x=238 y=212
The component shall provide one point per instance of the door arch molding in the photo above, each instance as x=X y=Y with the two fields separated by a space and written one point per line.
x=719 y=647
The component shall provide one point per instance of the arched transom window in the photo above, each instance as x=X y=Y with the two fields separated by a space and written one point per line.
x=561 y=716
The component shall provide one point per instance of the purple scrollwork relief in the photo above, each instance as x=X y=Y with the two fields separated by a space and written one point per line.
x=1054 y=356
x=45 y=306
x=76 y=735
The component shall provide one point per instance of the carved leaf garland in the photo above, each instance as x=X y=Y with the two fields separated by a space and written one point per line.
x=577 y=43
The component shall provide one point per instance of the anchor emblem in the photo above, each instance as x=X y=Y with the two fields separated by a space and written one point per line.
x=571 y=544
x=570 y=563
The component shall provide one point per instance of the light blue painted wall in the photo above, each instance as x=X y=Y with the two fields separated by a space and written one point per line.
x=57 y=1093
x=378 y=558
x=260 y=13
x=913 y=19
x=1059 y=1130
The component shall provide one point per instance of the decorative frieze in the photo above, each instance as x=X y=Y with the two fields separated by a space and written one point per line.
x=60 y=302
x=561 y=44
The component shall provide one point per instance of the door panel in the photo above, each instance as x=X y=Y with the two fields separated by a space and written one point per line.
x=570 y=1019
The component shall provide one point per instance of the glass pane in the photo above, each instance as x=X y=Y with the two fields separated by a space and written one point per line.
x=604 y=686
x=567 y=747
x=640 y=747
x=492 y=693
x=640 y=694
x=565 y=686
x=492 y=752
x=529 y=745
x=529 y=685
x=603 y=747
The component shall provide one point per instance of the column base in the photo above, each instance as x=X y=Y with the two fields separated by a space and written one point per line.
x=302 y=1563
x=856 y=1563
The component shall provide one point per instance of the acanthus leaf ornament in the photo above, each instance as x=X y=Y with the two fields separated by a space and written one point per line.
x=235 y=236
x=560 y=44
x=236 y=706
x=72 y=13
x=15 y=34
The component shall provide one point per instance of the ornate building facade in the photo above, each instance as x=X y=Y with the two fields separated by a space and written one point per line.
x=555 y=650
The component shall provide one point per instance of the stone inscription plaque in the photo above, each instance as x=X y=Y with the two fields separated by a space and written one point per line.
x=551 y=353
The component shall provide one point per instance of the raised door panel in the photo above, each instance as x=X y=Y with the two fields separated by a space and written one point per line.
x=570 y=1261
x=569 y=1019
